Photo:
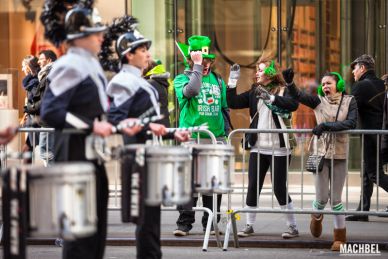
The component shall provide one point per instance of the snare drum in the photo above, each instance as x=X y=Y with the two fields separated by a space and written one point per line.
x=156 y=175
x=132 y=183
x=63 y=200
x=213 y=167
x=168 y=175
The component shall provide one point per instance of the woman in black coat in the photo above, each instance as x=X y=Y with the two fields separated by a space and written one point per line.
x=270 y=107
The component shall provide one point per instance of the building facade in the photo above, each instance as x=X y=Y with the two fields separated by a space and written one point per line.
x=312 y=36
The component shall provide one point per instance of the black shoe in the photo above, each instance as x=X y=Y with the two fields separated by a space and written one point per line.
x=386 y=210
x=356 y=218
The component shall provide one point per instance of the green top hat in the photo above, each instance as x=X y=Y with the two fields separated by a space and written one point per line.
x=196 y=42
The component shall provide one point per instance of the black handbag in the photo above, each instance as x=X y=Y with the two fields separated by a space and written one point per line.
x=250 y=138
x=314 y=162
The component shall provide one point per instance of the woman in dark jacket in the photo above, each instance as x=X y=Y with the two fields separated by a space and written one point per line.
x=30 y=83
x=334 y=111
x=270 y=107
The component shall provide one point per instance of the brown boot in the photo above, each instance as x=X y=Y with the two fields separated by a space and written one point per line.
x=339 y=239
x=316 y=225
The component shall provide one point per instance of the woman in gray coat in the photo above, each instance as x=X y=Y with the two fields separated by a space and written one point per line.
x=334 y=111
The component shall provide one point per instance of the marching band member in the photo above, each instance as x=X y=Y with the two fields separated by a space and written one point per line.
x=76 y=98
x=131 y=96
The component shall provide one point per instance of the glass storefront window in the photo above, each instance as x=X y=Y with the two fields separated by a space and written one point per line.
x=312 y=36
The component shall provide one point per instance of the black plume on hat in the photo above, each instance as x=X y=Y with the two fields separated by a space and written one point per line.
x=108 y=57
x=53 y=18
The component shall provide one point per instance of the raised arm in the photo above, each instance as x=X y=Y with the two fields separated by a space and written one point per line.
x=286 y=102
x=306 y=99
x=192 y=88
x=309 y=100
x=237 y=101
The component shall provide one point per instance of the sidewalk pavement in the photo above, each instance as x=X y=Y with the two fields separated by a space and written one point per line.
x=268 y=228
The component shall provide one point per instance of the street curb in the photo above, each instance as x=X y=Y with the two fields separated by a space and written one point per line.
x=191 y=242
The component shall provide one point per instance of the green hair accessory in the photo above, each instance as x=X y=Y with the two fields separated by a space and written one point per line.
x=271 y=70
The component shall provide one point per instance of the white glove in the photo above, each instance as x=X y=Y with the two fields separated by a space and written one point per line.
x=234 y=75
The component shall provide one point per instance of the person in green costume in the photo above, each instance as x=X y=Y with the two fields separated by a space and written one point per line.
x=201 y=95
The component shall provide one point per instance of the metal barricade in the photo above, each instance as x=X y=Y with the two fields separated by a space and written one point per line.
x=34 y=133
x=232 y=216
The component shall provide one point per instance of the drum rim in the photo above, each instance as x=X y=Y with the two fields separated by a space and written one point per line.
x=211 y=147
x=77 y=168
x=168 y=150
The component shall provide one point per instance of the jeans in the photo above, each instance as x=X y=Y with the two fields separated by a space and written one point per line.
x=187 y=216
x=46 y=147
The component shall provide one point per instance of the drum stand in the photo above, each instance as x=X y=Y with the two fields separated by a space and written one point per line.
x=212 y=217
x=14 y=201
x=231 y=223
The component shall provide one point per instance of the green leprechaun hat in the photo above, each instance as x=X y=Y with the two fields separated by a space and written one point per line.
x=196 y=42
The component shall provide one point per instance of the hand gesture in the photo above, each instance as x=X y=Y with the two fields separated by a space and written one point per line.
x=23 y=121
x=158 y=129
x=288 y=75
x=130 y=131
x=102 y=128
x=196 y=57
x=6 y=135
x=262 y=93
x=319 y=129
x=182 y=136
x=234 y=75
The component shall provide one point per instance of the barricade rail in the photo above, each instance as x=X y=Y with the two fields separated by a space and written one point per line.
x=232 y=217
x=242 y=189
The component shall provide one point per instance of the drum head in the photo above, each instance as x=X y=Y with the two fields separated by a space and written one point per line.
x=212 y=148
x=59 y=169
x=167 y=151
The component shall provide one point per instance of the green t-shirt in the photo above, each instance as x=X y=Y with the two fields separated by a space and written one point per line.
x=206 y=107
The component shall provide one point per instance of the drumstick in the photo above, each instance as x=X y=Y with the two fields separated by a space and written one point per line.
x=120 y=126
x=143 y=116
x=141 y=122
x=190 y=129
x=147 y=113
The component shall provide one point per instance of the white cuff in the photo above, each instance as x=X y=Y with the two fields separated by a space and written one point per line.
x=75 y=121
x=271 y=98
